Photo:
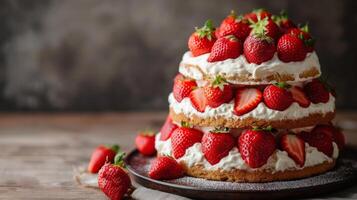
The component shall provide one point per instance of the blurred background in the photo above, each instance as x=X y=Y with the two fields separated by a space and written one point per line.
x=99 y=55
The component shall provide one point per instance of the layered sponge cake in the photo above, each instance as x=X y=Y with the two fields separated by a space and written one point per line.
x=248 y=104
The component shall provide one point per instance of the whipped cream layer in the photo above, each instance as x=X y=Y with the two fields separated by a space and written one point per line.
x=197 y=67
x=278 y=161
x=295 y=111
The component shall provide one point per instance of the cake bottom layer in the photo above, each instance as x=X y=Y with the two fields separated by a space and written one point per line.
x=237 y=175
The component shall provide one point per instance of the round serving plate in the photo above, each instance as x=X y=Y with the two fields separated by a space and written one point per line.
x=343 y=175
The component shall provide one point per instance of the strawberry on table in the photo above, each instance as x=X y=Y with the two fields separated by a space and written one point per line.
x=167 y=129
x=101 y=155
x=217 y=144
x=299 y=96
x=246 y=100
x=283 y=21
x=256 y=146
x=202 y=40
x=291 y=48
x=320 y=137
x=218 y=92
x=317 y=91
x=257 y=13
x=183 y=138
x=198 y=99
x=145 y=143
x=224 y=48
x=295 y=147
x=183 y=87
x=277 y=96
x=165 y=168
x=270 y=28
x=258 y=47
x=113 y=180
x=234 y=25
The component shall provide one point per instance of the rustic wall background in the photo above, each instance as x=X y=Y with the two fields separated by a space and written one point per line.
x=121 y=55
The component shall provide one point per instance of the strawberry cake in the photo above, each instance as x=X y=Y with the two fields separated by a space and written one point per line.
x=248 y=104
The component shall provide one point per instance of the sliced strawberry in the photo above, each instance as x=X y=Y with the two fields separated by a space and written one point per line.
x=320 y=137
x=246 y=100
x=299 y=96
x=183 y=138
x=295 y=147
x=167 y=129
x=183 y=87
x=198 y=99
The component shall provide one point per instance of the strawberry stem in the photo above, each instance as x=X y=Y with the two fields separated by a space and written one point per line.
x=115 y=148
x=282 y=85
x=119 y=159
x=185 y=124
x=220 y=82
x=206 y=31
x=221 y=130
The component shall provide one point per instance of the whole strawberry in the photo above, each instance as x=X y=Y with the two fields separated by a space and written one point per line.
x=257 y=13
x=317 y=91
x=183 y=138
x=198 y=99
x=216 y=145
x=234 y=25
x=304 y=34
x=320 y=137
x=256 y=146
x=113 y=180
x=164 y=168
x=167 y=129
x=224 y=48
x=270 y=28
x=291 y=48
x=100 y=156
x=218 y=92
x=258 y=48
x=145 y=143
x=283 y=21
x=339 y=138
x=277 y=96
x=202 y=40
x=183 y=87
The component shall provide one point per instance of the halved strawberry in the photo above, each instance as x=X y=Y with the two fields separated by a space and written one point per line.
x=246 y=100
x=198 y=99
x=295 y=147
x=182 y=87
x=299 y=96
x=167 y=129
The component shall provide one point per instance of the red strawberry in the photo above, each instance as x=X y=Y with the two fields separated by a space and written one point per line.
x=253 y=16
x=277 y=96
x=202 y=40
x=256 y=146
x=295 y=147
x=164 y=168
x=216 y=145
x=183 y=87
x=218 y=92
x=224 y=48
x=183 y=138
x=320 y=137
x=267 y=26
x=233 y=25
x=291 y=48
x=167 y=129
x=145 y=143
x=113 y=180
x=304 y=35
x=283 y=21
x=246 y=100
x=339 y=138
x=317 y=92
x=100 y=155
x=299 y=96
x=198 y=99
x=258 y=48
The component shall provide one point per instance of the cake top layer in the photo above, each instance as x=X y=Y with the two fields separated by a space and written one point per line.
x=255 y=48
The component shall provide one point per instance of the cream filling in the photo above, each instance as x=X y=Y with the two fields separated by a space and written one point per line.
x=295 y=111
x=278 y=161
x=240 y=67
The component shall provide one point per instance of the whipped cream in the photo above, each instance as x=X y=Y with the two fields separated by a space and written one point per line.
x=295 y=111
x=241 y=67
x=278 y=161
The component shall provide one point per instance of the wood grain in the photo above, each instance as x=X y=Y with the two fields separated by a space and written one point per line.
x=38 y=151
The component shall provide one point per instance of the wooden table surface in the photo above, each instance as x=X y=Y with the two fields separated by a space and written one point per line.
x=39 y=151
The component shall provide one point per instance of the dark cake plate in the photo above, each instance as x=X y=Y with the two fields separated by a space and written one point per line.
x=343 y=175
